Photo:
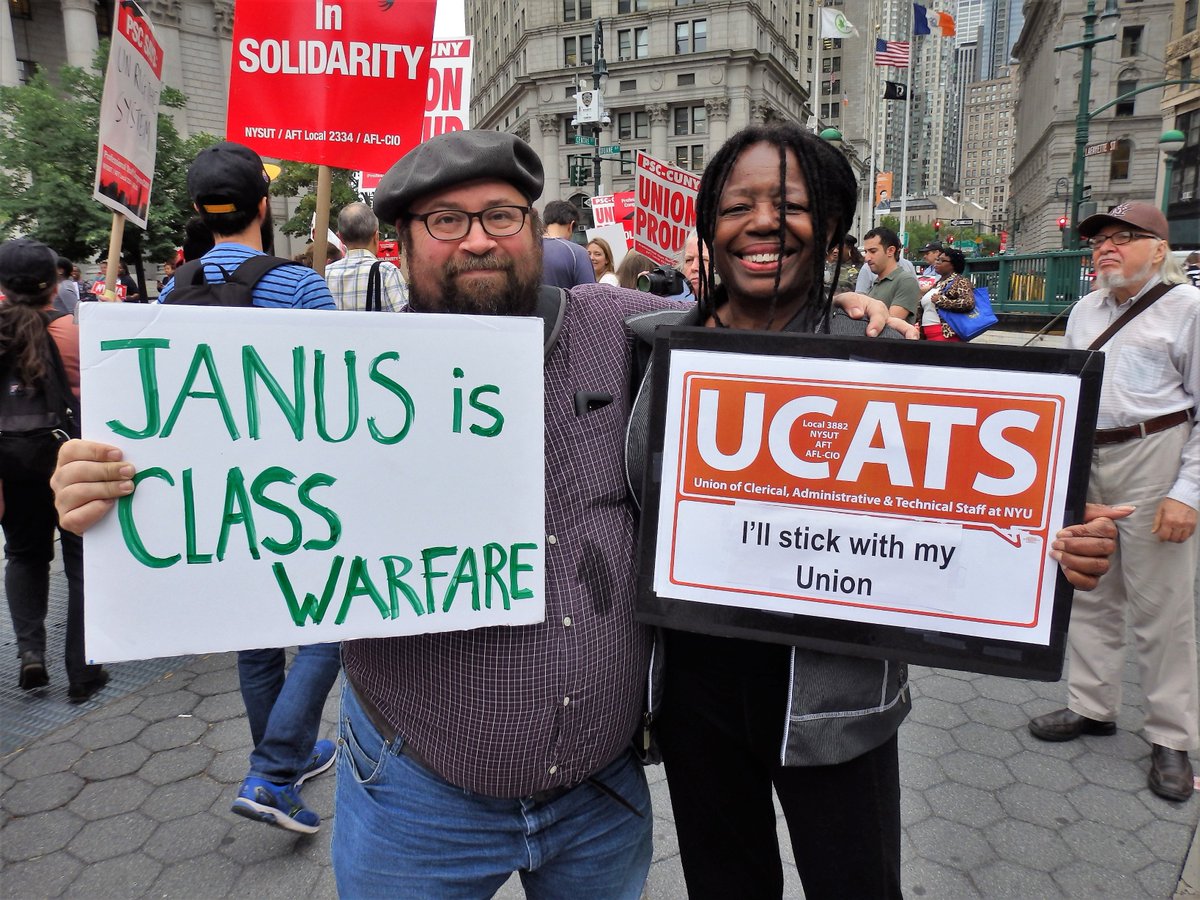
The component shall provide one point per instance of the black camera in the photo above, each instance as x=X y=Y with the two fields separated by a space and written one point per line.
x=662 y=280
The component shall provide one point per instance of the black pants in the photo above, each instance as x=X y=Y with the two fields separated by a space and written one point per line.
x=724 y=707
x=29 y=522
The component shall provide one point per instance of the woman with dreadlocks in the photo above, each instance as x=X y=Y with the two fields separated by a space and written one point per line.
x=739 y=717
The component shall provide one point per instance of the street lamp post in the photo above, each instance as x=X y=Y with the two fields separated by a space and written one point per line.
x=1170 y=144
x=833 y=137
x=1090 y=40
x=599 y=77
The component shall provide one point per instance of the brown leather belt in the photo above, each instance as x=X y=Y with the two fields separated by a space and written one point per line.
x=1150 y=426
x=389 y=733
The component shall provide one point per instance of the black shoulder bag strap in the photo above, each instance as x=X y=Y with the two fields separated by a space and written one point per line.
x=552 y=308
x=59 y=393
x=375 y=288
x=251 y=270
x=1126 y=317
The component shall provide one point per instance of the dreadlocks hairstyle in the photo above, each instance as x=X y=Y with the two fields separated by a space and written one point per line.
x=832 y=192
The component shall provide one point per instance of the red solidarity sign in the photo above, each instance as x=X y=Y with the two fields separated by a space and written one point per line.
x=334 y=83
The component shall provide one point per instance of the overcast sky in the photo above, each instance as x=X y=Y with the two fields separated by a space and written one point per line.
x=450 y=21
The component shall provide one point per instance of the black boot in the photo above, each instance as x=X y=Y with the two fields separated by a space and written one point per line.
x=33 y=670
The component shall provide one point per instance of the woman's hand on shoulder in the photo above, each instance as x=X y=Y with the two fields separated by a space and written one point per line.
x=877 y=313
x=89 y=478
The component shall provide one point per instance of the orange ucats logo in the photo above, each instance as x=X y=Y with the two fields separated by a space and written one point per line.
x=967 y=456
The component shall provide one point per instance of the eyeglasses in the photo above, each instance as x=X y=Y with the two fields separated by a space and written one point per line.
x=455 y=224
x=1119 y=238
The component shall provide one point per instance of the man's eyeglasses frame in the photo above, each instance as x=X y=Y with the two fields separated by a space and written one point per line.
x=423 y=218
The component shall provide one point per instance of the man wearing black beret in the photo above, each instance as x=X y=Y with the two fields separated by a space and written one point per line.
x=479 y=753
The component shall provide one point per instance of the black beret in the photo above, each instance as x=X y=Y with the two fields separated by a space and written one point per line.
x=27 y=267
x=455 y=158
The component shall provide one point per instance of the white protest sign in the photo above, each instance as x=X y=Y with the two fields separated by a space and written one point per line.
x=129 y=116
x=666 y=209
x=604 y=210
x=307 y=476
x=865 y=491
x=447 y=97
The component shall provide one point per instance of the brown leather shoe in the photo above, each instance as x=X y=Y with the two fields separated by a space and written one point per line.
x=1170 y=773
x=1064 y=725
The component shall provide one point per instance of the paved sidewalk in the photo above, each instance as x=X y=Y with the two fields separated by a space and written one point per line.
x=131 y=798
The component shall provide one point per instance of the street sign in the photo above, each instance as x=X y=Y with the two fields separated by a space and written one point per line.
x=967 y=247
x=1102 y=147
x=611 y=150
x=961 y=222
x=584 y=139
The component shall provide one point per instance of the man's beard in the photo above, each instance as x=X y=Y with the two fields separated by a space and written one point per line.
x=1108 y=281
x=516 y=297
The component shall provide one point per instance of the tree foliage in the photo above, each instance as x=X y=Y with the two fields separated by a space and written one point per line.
x=48 y=168
x=921 y=233
x=301 y=179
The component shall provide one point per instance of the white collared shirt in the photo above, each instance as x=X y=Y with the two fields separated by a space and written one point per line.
x=1151 y=366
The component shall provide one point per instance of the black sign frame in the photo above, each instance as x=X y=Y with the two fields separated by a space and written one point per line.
x=926 y=647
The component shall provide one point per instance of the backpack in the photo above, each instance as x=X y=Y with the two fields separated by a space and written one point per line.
x=193 y=289
x=35 y=418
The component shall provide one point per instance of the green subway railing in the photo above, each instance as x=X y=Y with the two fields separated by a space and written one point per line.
x=1038 y=284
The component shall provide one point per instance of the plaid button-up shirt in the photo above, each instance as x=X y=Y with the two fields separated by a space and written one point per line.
x=510 y=711
x=347 y=280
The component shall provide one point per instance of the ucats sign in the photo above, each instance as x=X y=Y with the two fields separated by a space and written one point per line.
x=333 y=83
x=915 y=499
x=304 y=476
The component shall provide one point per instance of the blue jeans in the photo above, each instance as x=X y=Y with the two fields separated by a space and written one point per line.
x=285 y=713
x=402 y=831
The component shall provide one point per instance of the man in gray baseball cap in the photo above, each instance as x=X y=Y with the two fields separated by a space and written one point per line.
x=1147 y=455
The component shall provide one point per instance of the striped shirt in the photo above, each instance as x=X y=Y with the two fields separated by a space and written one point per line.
x=290 y=286
x=511 y=711
x=347 y=279
x=1151 y=366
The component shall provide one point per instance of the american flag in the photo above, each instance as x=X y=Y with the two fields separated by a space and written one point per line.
x=891 y=53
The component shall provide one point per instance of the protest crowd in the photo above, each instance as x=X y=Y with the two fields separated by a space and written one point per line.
x=465 y=756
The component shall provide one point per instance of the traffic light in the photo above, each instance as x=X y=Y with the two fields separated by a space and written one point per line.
x=578 y=175
x=1062 y=223
x=937 y=226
